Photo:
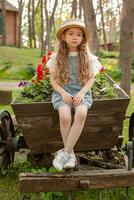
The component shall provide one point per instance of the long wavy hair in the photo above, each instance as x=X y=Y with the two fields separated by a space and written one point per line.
x=63 y=66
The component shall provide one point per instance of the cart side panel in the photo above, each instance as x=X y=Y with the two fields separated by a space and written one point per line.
x=39 y=124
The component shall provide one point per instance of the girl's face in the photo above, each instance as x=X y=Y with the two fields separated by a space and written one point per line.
x=73 y=38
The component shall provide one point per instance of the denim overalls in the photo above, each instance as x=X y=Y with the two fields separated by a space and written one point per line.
x=73 y=87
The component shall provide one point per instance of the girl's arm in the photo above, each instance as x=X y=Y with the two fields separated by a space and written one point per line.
x=55 y=85
x=67 y=97
x=80 y=95
x=88 y=84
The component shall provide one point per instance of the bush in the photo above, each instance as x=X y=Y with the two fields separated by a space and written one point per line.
x=114 y=73
x=26 y=72
x=109 y=54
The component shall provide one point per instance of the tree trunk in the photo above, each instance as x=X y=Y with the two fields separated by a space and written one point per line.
x=103 y=26
x=3 y=22
x=49 y=24
x=74 y=9
x=21 y=6
x=42 y=27
x=33 y=25
x=90 y=21
x=29 y=24
x=126 y=43
x=80 y=9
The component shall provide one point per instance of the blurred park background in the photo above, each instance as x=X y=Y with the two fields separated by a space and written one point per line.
x=28 y=31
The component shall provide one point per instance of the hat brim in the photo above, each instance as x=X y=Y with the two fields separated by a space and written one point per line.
x=85 y=30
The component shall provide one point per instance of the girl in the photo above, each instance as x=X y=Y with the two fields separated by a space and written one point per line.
x=72 y=76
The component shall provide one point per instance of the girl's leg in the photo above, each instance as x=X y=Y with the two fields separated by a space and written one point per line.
x=76 y=128
x=65 y=122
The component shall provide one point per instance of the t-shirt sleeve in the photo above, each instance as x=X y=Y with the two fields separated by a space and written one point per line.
x=96 y=65
x=51 y=64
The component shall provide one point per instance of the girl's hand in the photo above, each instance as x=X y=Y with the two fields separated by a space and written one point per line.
x=78 y=98
x=67 y=97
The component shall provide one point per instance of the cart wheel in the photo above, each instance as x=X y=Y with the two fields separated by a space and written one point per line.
x=6 y=136
x=130 y=155
x=131 y=127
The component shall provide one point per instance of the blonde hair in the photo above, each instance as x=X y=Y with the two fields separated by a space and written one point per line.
x=63 y=66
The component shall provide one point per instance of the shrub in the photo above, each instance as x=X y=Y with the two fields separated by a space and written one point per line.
x=109 y=54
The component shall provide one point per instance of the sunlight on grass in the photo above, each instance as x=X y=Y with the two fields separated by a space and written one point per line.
x=110 y=63
x=18 y=63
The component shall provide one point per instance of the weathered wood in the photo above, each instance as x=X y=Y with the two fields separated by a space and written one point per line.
x=77 y=180
x=99 y=163
x=38 y=108
x=39 y=124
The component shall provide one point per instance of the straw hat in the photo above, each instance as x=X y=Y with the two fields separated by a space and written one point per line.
x=71 y=23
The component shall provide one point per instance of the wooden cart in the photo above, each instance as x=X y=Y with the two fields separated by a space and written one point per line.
x=38 y=126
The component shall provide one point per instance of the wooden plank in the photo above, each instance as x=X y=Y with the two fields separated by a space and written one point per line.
x=49 y=140
x=77 y=180
x=46 y=108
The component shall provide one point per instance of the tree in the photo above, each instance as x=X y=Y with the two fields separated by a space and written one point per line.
x=21 y=6
x=126 y=43
x=90 y=21
x=42 y=27
x=74 y=9
x=33 y=23
x=49 y=24
x=103 y=25
x=29 y=24
x=80 y=9
x=3 y=22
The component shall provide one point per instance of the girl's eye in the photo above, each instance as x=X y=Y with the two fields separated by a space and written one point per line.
x=80 y=35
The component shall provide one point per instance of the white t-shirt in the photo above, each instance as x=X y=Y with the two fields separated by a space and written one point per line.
x=96 y=65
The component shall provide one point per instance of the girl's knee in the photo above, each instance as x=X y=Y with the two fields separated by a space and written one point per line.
x=65 y=119
x=80 y=115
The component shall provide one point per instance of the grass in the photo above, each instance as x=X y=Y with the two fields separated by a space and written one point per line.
x=129 y=111
x=17 y=64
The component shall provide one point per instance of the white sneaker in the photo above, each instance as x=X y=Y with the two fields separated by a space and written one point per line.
x=61 y=157
x=71 y=163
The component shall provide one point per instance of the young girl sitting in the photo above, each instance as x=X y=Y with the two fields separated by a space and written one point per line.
x=72 y=76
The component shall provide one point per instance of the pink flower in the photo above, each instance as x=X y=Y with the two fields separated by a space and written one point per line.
x=101 y=69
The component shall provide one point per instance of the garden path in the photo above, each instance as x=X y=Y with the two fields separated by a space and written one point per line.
x=12 y=85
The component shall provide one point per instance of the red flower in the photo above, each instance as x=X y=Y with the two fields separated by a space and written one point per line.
x=39 y=71
x=49 y=54
x=44 y=60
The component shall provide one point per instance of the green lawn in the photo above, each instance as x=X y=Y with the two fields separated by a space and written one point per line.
x=17 y=64
x=129 y=111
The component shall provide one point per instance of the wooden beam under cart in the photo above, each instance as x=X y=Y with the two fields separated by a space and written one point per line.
x=76 y=180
